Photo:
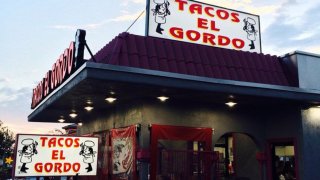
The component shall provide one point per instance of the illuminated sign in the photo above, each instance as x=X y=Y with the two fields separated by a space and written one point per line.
x=205 y=24
x=65 y=65
x=44 y=155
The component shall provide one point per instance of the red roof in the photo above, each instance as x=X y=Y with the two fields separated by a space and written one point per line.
x=192 y=59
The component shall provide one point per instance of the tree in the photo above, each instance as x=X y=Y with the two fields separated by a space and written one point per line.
x=6 y=150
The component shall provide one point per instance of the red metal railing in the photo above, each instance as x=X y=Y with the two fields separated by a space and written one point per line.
x=186 y=165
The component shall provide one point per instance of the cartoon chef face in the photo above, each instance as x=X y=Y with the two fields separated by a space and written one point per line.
x=162 y=8
x=29 y=147
x=86 y=148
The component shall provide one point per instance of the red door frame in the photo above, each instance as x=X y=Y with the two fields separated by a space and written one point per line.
x=269 y=155
x=176 y=133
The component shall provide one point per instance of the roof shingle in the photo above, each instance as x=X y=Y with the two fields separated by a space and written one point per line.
x=192 y=59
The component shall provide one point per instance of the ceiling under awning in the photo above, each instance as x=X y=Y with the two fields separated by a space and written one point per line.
x=93 y=82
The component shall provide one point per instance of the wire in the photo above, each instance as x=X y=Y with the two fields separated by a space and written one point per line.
x=135 y=20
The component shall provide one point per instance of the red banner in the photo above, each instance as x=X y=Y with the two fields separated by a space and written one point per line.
x=123 y=143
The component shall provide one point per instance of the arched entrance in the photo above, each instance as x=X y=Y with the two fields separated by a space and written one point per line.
x=237 y=157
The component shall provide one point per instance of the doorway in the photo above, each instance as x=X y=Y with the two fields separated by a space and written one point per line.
x=283 y=160
x=237 y=157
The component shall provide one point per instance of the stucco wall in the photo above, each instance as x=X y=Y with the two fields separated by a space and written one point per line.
x=311 y=143
x=261 y=123
x=117 y=116
x=245 y=157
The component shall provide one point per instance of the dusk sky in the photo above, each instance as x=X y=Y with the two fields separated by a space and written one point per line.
x=34 y=33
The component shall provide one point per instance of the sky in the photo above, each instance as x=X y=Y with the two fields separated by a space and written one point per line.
x=34 y=33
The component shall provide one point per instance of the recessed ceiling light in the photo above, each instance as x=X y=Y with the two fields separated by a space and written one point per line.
x=231 y=104
x=163 y=98
x=110 y=99
x=88 y=108
x=80 y=124
x=73 y=115
x=89 y=102
x=61 y=120
x=112 y=93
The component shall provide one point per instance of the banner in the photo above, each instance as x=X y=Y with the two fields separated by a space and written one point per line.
x=200 y=23
x=46 y=155
x=123 y=143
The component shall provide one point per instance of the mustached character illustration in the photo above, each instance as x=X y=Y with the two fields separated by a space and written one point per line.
x=87 y=153
x=28 y=150
x=249 y=27
x=160 y=12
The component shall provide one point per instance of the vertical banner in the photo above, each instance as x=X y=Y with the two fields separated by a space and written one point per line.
x=123 y=143
x=200 y=23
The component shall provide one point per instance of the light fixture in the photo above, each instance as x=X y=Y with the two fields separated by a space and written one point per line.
x=89 y=102
x=231 y=104
x=163 y=98
x=73 y=115
x=110 y=99
x=61 y=120
x=88 y=108
x=80 y=124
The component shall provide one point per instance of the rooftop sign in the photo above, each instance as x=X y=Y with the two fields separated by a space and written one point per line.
x=43 y=155
x=205 y=24
x=65 y=65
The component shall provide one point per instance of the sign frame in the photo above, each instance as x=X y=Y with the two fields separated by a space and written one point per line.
x=58 y=136
x=147 y=27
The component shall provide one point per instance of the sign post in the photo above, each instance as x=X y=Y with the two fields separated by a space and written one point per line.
x=200 y=23
x=45 y=155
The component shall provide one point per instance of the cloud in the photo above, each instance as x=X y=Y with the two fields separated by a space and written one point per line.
x=245 y=5
x=315 y=49
x=8 y=95
x=4 y=80
x=303 y=36
x=127 y=17
x=122 y=18
x=286 y=25
x=294 y=26
x=15 y=108
x=128 y=2
x=32 y=127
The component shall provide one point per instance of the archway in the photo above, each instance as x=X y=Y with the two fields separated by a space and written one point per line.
x=237 y=157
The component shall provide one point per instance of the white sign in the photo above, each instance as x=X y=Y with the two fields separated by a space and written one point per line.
x=45 y=155
x=199 y=23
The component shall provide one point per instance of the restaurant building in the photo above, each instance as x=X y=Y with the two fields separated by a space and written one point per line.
x=167 y=109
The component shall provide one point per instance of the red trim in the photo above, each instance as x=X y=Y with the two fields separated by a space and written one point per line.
x=294 y=141
x=176 y=133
